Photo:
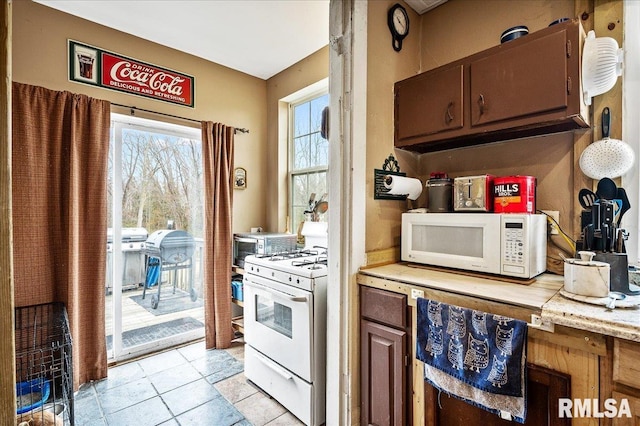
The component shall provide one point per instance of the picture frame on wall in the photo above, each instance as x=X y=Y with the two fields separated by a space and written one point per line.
x=239 y=178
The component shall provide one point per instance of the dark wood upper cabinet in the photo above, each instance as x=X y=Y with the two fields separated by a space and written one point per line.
x=529 y=79
x=421 y=111
x=526 y=87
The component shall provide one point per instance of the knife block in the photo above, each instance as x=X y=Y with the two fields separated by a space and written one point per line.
x=619 y=264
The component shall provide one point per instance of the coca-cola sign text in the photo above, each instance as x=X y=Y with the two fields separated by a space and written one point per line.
x=128 y=75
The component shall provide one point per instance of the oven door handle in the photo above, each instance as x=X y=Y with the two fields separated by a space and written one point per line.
x=275 y=368
x=290 y=298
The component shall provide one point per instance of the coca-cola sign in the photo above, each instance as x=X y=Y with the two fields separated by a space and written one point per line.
x=91 y=65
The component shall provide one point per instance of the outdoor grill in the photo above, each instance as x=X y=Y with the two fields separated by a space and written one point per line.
x=168 y=250
x=171 y=246
x=133 y=265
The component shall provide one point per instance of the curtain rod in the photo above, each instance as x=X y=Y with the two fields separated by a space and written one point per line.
x=133 y=109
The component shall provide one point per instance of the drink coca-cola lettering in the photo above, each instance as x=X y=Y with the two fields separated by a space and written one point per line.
x=127 y=72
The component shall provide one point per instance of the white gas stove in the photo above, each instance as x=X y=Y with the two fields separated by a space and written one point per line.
x=300 y=268
x=285 y=329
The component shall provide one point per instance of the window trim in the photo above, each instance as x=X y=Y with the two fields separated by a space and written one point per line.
x=292 y=103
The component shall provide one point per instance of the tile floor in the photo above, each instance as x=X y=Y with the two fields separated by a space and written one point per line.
x=185 y=386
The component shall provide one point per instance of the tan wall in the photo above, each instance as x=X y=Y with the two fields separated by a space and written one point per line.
x=299 y=76
x=385 y=67
x=447 y=33
x=222 y=95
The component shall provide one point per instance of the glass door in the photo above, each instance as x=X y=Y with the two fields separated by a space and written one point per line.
x=154 y=280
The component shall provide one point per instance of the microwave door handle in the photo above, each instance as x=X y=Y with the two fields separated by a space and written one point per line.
x=276 y=369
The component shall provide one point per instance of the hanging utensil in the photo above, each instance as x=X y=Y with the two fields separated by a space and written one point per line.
x=586 y=197
x=606 y=157
x=626 y=205
x=606 y=189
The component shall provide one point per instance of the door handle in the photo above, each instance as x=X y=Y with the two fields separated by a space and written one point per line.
x=481 y=103
x=449 y=116
x=275 y=368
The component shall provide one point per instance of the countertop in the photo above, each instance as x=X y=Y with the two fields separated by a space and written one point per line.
x=620 y=322
x=542 y=294
x=533 y=295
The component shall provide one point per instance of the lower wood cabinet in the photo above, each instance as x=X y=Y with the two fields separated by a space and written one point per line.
x=544 y=388
x=634 y=409
x=626 y=382
x=384 y=359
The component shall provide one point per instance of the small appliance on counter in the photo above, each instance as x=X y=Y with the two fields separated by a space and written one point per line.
x=440 y=193
x=511 y=244
x=248 y=243
x=473 y=193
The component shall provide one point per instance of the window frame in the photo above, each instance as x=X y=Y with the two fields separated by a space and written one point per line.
x=291 y=174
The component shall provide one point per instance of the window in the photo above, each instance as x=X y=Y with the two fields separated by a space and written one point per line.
x=308 y=153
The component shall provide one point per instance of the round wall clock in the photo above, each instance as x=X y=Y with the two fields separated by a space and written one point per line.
x=398 y=21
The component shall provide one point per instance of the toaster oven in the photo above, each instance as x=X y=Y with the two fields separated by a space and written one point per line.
x=262 y=243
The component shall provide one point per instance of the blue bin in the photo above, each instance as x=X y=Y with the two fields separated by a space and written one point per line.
x=32 y=386
x=236 y=290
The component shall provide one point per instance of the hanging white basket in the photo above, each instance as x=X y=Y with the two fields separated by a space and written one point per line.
x=601 y=65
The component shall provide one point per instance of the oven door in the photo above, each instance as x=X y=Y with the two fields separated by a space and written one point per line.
x=278 y=323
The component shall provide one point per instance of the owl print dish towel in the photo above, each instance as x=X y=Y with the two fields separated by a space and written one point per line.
x=475 y=356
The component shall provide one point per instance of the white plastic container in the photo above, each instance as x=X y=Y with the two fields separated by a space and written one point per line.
x=587 y=277
x=315 y=234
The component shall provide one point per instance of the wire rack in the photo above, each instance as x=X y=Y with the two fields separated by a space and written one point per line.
x=44 y=369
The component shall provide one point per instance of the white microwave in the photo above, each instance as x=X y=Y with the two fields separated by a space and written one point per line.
x=508 y=244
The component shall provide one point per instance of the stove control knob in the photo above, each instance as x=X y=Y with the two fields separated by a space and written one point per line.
x=289 y=278
x=273 y=274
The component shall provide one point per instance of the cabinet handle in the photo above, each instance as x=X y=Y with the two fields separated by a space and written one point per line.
x=481 y=103
x=449 y=116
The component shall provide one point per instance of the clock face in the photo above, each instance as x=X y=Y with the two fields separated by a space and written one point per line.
x=400 y=22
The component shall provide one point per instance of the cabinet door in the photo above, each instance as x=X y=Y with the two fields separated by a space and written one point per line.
x=544 y=388
x=429 y=103
x=383 y=375
x=529 y=78
x=634 y=408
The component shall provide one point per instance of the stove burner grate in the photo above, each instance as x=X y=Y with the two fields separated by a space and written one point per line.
x=288 y=255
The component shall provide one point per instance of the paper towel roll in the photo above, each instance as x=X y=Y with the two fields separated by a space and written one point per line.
x=399 y=185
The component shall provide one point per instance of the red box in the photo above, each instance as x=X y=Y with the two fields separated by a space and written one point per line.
x=514 y=194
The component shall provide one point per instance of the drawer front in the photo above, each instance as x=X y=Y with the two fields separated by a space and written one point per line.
x=295 y=394
x=626 y=369
x=383 y=306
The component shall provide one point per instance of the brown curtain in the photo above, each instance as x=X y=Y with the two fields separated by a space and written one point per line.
x=59 y=171
x=217 y=153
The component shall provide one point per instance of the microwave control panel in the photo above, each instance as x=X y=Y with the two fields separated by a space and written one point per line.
x=514 y=238
x=523 y=245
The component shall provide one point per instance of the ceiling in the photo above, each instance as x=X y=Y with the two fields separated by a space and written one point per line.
x=257 y=37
